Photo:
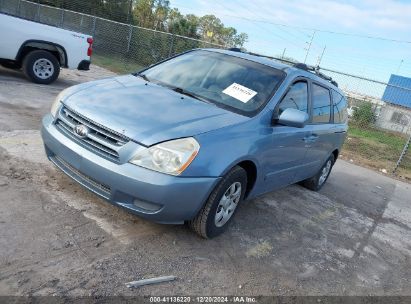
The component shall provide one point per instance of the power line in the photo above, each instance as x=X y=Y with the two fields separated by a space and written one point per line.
x=258 y=25
x=253 y=12
x=333 y=56
x=308 y=28
x=287 y=32
x=320 y=30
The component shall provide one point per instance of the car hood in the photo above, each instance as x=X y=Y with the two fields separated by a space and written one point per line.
x=146 y=112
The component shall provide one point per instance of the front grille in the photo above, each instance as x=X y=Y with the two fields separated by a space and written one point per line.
x=79 y=176
x=99 y=139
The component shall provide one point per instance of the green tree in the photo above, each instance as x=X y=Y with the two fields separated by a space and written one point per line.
x=160 y=14
x=151 y=13
x=143 y=13
x=211 y=29
x=157 y=15
x=364 y=115
x=183 y=25
x=240 y=39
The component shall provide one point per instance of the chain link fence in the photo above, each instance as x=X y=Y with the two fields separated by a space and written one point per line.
x=379 y=132
x=379 y=123
x=379 y=128
x=118 y=46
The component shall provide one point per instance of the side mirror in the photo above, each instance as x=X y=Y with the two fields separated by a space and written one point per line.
x=293 y=118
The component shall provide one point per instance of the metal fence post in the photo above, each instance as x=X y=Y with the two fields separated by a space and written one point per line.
x=18 y=8
x=129 y=38
x=62 y=17
x=126 y=54
x=404 y=151
x=170 y=52
x=38 y=11
x=93 y=31
x=130 y=9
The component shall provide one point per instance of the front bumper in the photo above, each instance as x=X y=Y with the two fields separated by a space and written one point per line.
x=159 y=197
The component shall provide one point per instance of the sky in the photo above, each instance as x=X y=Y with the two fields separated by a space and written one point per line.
x=275 y=25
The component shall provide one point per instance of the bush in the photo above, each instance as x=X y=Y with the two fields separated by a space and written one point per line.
x=364 y=115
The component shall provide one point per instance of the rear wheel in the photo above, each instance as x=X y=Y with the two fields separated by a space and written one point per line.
x=220 y=207
x=41 y=67
x=316 y=182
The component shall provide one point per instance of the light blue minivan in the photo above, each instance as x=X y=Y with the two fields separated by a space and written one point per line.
x=188 y=139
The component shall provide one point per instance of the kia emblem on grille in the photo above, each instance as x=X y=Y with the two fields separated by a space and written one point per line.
x=81 y=131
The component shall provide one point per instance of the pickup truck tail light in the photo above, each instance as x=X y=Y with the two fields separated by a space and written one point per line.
x=90 y=46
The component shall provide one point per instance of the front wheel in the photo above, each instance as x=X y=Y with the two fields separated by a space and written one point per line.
x=41 y=67
x=220 y=207
x=316 y=182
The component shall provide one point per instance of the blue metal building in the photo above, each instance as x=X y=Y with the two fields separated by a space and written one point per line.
x=400 y=91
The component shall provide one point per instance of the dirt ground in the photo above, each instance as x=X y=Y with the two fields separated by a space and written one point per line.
x=56 y=238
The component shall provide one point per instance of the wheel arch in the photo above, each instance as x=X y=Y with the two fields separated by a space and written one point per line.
x=336 y=152
x=56 y=49
x=250 y=167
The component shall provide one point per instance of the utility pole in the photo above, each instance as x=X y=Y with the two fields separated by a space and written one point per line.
x=282 y=56
x=321 y=57
x=399 y=67
x=309 y=46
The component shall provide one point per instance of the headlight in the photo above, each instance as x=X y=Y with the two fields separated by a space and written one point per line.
x=171 y=157
x=57 y=102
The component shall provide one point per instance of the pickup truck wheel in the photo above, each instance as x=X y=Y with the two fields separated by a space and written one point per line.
x=220 y=207
x=316 y=182
x=41 y=67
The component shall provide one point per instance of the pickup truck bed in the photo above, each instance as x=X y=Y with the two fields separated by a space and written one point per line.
x=41 y=50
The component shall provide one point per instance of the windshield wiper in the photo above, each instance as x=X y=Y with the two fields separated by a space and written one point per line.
x=184 y=92
x=143 y=76
x=190 y=94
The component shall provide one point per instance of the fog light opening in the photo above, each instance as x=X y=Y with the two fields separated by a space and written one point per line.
x=150 y=207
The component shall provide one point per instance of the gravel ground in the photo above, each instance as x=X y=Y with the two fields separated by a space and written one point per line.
x=56 y=238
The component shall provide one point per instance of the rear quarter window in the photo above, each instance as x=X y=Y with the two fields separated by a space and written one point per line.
x=340 y=107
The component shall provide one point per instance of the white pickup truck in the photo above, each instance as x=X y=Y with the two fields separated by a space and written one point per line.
x=41 y=50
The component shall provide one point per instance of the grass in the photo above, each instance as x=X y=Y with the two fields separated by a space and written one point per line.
x=393 y=139
x=377 y=149
x=115 y=64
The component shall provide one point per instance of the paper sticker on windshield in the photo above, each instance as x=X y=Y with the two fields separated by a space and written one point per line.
x=240 y=92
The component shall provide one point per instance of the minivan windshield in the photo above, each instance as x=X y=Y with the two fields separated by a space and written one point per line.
x=240 y=85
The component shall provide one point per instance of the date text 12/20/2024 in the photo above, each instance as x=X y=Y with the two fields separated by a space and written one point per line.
x=204 y=299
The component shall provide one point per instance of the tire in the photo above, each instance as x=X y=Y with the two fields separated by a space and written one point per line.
x=206 y=223
x=41 y=67
x=316 y=182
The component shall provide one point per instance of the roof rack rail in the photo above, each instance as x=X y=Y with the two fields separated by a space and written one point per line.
x=235 y=49
x=298 y=65
x=316 y=70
